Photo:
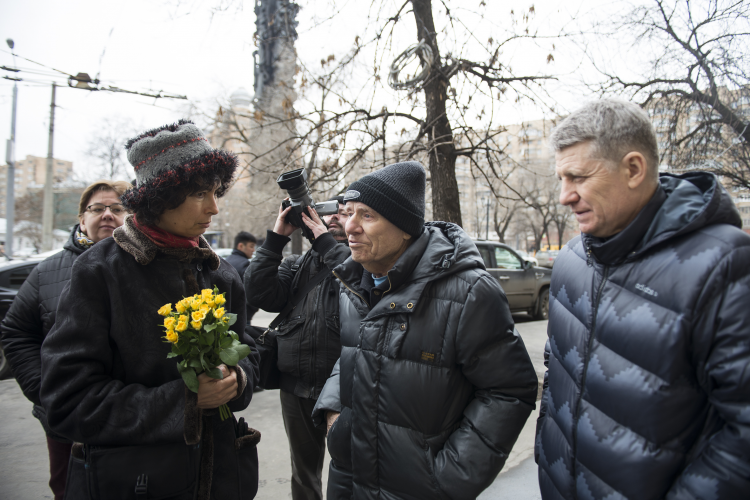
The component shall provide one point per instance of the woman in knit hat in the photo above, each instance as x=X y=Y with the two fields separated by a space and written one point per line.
x=106 y=379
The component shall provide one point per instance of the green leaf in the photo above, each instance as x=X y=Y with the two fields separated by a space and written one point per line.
x=229 y=356
x=234 y=335
x=209 y=338
x=215 y=373
x=172 y=355
x=191 y=379
x=232 y=318
x=242 y=351
x=208 y=328
x=226 y=342
x=195 y=363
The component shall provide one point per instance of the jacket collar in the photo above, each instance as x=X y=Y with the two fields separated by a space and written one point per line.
x=133 y=241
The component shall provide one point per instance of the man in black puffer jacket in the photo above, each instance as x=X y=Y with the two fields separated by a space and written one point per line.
x=309 y=336
x=32 y=314
x=647 y=394
x=433 y=385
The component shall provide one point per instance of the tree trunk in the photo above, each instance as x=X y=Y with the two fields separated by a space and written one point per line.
x=442 y=162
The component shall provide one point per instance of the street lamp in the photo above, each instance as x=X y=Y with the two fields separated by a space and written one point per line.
x=10 y=160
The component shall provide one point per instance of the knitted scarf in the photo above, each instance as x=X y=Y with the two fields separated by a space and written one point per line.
x=163 y=239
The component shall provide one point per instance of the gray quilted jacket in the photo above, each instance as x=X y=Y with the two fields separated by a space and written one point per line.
x=647 y=394
x=433 y=383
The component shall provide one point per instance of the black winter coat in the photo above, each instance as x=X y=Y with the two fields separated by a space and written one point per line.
x=647 y=395
x=308 y=341
x=433 y=385
x=30 y=319
x=106 y=379
x=239 y=261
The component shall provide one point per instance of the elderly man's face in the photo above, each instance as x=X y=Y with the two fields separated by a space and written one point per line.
x=375 y=242
x=597 y=193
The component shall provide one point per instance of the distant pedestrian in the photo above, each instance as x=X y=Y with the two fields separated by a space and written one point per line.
x=244 y=248
x=32 y=314
x=647 y=393
x=106 y=380
x=433 y=385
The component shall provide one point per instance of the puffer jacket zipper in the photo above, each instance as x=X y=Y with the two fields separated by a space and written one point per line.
x=350 y=289
x=586 y=358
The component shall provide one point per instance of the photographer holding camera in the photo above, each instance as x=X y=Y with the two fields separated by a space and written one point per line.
x=308 y=339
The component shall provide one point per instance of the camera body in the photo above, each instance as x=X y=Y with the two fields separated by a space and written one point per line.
x=295 y=184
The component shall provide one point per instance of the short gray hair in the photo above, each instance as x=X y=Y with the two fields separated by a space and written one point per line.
x=614 y=127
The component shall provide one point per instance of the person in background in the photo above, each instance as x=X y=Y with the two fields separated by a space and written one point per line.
x=107 y=381
x=32 y=314
x=244 y=248
x=647 y=393
x=434 y=384
x=309 y=339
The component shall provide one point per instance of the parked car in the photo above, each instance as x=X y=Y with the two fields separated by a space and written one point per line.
x=525 y=285
x=12 y=275
x=223 y=252
x=528 y=257
x=547 y=258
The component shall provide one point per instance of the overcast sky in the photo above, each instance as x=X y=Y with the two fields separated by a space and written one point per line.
x=167 y=46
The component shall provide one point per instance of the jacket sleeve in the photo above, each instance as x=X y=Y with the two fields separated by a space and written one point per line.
x=267 y=281
x=83 y=399
x=22 y=337
x=494 y=359
x=330 y=397
x=720 y=466
x=543 y=403
x=249 y=365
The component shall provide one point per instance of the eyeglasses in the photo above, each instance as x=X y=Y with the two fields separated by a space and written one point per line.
x=98 y=209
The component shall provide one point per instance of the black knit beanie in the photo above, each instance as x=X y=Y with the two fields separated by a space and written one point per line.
x=396 y=192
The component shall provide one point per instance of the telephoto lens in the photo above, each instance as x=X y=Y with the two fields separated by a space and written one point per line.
x=295 y=184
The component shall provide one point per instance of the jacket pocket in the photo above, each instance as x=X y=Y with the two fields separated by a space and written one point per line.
x=340 y=439
x=76 y=484
x=288 y=342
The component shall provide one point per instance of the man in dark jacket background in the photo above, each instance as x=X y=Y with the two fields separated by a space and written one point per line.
x=308 y=343
x=647 y=394
x=32 y=314
x=433 y=385
x=244 y=248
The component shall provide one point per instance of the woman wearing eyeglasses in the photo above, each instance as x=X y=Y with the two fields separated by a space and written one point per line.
x=107 y=381
x=32 y=314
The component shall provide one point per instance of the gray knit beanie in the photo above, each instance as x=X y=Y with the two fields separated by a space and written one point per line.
x=396 y=192
x=168 y=156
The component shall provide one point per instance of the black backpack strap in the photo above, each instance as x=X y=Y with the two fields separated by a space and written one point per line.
x=322 y=274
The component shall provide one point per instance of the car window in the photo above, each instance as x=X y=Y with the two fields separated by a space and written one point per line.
x=506 y=260
x=485 y=253
x=18 y=276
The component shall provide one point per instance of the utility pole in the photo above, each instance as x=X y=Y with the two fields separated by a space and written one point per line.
x=10 y=174
x=487 y=224
x=47 y=215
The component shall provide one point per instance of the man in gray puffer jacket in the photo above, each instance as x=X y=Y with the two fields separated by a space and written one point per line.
x=433 y=385
x=648 y=390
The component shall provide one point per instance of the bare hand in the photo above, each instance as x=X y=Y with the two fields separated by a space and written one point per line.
x=316 y=225
x=213 y=393
x=282 y=227
x=331 y=417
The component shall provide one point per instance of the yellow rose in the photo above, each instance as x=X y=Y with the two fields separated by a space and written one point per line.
x=169 y=323
x=180 y=306
x=210 y=303
x=195 y=304
x=198 y=315
x=182 y=324
x=196 y=324
x=219 y=300
x=165 y=309
x=218 y=313
x=172 y=336
x=204 y=308
x=207 y=294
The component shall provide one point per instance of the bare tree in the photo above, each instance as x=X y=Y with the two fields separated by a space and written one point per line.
x=692 y=75
x=106 y=149
x=438 y=100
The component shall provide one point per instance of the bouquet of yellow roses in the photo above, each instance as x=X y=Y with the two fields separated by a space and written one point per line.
x=198 y=329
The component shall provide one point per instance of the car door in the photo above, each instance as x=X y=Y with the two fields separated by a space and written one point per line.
x=517 y=282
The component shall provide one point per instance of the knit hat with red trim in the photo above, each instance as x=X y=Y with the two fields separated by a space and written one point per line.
x=169 y=156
